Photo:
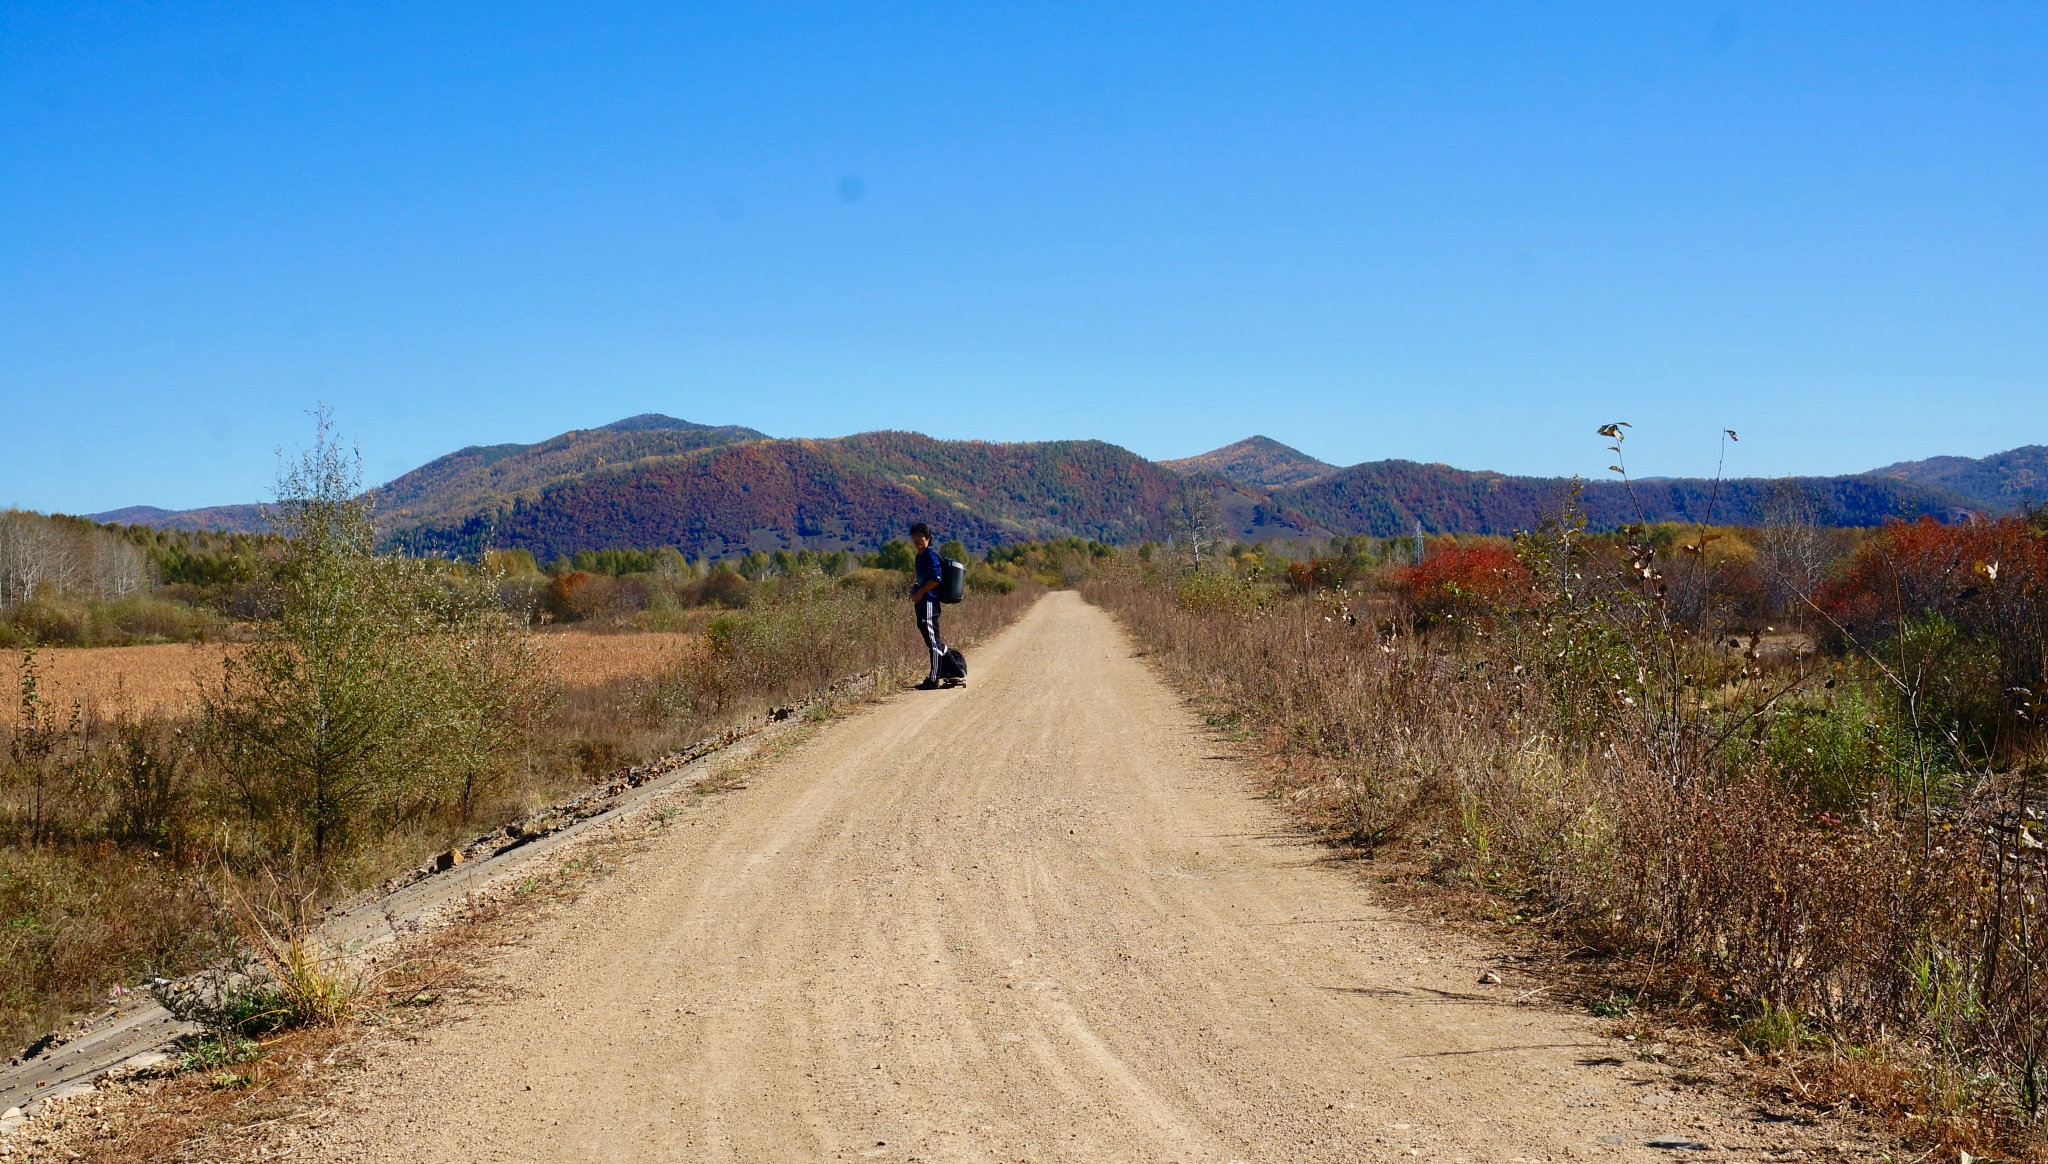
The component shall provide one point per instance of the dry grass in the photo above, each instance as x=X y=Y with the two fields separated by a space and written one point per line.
x=268 y=1106
x=583 y=659
x=110 y=903
x=77 y=921
x=164 y=679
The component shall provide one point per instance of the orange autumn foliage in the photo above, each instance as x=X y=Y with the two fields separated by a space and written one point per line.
x=1464 y=580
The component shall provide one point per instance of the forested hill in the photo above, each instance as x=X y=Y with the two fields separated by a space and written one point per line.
x=483 y=478
x=2014 y=479
x=1385 y=498
x=856 y=491
x=1257 y=460
x=219 y=518
x=480 y=479
x=723 y=489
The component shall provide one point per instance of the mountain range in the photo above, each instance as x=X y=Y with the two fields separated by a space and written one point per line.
x=719 y=490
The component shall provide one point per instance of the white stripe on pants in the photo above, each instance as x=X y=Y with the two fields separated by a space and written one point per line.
x=928 y=626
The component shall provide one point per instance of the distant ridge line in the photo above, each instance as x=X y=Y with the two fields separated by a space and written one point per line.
x=719 y=490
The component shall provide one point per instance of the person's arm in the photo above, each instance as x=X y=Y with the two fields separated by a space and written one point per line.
x=919 y=593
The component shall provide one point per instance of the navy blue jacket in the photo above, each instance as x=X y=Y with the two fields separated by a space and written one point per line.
x=930 y=569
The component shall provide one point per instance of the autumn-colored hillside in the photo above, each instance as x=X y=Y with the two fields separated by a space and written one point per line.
x=2014 y=479
x=653 y=480
x=763 y=495
x=851 y=492
x=1256 y=460
x=1385 y=498
x=486 y=477
x=1087 y=489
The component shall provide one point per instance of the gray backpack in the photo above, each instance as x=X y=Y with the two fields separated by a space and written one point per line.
x=952 y=580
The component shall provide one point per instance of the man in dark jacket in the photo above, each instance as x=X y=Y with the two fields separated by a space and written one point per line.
x=924 y=598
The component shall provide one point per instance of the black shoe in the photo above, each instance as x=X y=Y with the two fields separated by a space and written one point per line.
x=954 y=683
x=927 y=685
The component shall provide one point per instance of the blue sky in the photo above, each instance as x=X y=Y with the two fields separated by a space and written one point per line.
x=1450 y=232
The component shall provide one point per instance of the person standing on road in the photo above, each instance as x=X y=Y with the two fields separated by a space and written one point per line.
x=924 y=599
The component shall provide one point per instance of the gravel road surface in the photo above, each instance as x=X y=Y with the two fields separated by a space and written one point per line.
x=1034 y=919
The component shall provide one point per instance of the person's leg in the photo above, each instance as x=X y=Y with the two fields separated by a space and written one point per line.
x=928 y=626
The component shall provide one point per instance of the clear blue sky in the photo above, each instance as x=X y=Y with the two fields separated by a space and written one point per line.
x=1455 y=232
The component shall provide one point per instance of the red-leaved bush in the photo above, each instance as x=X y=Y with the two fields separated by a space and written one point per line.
x=1462 y=581
x=1974 y=573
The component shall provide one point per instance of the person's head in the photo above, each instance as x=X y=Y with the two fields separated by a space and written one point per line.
x=921 y=536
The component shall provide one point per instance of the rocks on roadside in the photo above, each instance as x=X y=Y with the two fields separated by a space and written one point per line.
x=143 y=1066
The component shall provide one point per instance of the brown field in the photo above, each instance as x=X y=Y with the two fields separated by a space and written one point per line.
x=587 y=660
x=165 y=679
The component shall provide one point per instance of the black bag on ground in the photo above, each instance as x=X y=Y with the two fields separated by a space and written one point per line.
x=953 y=665
x=952 y=580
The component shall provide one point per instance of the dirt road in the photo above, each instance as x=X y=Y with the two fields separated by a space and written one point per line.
x=1032 y=920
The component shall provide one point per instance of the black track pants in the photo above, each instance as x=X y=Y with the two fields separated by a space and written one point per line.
x=928 y=626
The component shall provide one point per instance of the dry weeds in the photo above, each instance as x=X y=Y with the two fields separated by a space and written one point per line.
x=161 y=679
x=584 y=659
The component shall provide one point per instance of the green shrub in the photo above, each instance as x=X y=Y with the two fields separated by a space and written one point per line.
x=895 y=555
x=50 y=619
x=143 y=618
x=1834 y=751
x=1212 y=592
x=725 y=588
x=1954 y=684
x=985 y=579
x=384 y=690
x=1773 y=1028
